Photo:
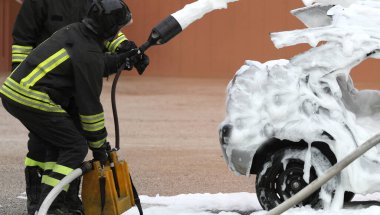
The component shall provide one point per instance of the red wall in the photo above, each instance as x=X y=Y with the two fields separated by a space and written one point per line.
x=218 y=44
x=8 y=12
x=215 y=46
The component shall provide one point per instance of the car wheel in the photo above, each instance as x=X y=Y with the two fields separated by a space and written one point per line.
x=282 y=176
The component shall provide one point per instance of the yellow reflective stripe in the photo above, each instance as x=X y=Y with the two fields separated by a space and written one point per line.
x=92 y=118
x=31 y=162
x=52 y=182
x=92 y=122
x=107 y=43
x=93 y=127
x=115 y=43
x=21 y=49
x=27 y=92
x=5 y=90
x=49 y=165
x=18 y=57
x=97 y=144
x=62 y=169
x=42 y=165
x=49 y=180
x=46 y=66
x=17 y=60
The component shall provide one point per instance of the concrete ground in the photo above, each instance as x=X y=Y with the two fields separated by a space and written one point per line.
x=168 y=137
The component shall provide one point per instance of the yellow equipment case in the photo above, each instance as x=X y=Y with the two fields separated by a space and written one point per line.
x=117 y=188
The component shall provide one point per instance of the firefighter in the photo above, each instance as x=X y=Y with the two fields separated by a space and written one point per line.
x=37 y=20
x=66 y=67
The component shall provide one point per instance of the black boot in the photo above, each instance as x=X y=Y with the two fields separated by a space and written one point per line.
x=33 y=177
x=58 y=206
x=72 y=199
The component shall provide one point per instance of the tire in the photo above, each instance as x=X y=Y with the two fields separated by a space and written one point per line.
x=282 y=174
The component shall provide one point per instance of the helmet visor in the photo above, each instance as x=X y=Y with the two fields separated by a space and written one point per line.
x=119 y=10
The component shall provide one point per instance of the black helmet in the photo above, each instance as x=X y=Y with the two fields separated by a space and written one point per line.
x=106 y=17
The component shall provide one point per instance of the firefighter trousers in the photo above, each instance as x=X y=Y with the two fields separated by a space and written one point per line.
x=55 y=144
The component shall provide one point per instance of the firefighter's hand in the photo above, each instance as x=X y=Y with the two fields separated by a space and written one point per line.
x=126 y=46
x=101 y=154
x=140 y=61
x=114 y=62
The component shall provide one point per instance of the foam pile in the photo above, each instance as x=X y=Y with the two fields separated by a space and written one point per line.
x=312 y=93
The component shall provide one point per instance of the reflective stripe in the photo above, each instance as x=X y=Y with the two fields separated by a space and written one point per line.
x=107 y=44
x=97 y=144
x=42 y=165
x=92 y=118
x=62 y=169
x=49 y=165
x=115 y=43
x=27 y=92
x=21 y=49
x=52 y=182
x=22 y=99
x=30 y=162
x=93 y=127
x=92 y=122
x=46 y=66
x=16 y=58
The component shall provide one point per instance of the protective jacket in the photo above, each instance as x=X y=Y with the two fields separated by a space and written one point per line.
x=70 y=65
x=37 y=20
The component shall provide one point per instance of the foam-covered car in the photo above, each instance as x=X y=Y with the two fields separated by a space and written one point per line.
x=288 y=121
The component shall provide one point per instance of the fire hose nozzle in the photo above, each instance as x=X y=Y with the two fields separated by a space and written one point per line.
x=162 y=33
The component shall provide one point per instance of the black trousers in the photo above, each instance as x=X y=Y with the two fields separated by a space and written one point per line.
x=53 y=138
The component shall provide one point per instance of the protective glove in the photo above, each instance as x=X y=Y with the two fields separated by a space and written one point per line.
x=101 y=154
x=139 y=61
x=126 y=46
x=114 y=62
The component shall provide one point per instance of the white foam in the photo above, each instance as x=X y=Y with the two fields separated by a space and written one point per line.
x=313 y=92
x=194 y=11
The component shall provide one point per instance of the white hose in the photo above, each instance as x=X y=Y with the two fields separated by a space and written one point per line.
x=57 y=189
x=334 y=170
